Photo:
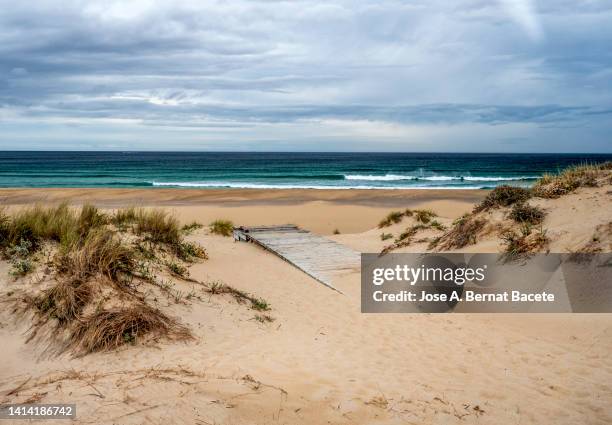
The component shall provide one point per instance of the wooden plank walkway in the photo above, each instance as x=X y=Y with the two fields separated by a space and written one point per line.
x=319 y=257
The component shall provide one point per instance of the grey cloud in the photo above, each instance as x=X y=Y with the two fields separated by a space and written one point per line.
x=206 y=64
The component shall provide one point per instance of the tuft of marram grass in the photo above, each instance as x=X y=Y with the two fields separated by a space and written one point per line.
x=108 y=329
x=424 y=216
x=570 y=179
x=60 y=224
x=464 y=232
x=503 y=196
x=521 y=245
x=410 y=232
x=191 y=227
x=240 y=296
x=124 y=216
x=158 y=225
x=435 y=224
x=222 y=227
x=404 y=238
x=393 y=217
x=101 y=252
x=64 y=301
x=525 y=213
x=385 y=236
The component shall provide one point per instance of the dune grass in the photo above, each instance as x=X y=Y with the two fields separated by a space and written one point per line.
x=570 y=179
x=423 y=216
x=93 y=253
x=463 y=233
x=385 y=236
x=393 y=217
x=435 y=224
x=108 y=329
x=525 y=213
x=258 y=304
x=221 y=227
x=158 y=226
x=503 y=196
x=521 y=244
x=191 y=227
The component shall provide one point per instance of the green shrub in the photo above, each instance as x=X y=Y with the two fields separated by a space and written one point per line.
x=187 y=251
x=178 y=269
x=21 y=267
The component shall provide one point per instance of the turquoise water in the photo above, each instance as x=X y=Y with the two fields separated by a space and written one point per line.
x=279 y=170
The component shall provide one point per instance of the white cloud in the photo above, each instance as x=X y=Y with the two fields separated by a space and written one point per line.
x=525 y=14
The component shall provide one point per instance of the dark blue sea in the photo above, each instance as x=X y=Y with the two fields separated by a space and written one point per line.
x=280 y=170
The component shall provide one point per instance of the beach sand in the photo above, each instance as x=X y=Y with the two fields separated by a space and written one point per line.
x=321 y=361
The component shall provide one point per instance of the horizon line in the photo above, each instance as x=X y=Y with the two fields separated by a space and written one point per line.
x=300 y=151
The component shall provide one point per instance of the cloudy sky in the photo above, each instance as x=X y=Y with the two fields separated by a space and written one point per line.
x=387 y=75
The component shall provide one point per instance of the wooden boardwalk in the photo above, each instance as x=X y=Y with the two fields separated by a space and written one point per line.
x=319 y=257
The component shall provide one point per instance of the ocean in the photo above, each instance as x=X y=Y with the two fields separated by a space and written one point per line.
x=269 y=170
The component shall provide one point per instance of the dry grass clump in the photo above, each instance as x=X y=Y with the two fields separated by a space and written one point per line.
x=124 y=216
x=60 y=224
x=221 y=227
x=108 y=329
x=525 y=213
x=404 y=239
x=221 y=288
x=94 y=296
x=410 y=232
x=191 y=227
x=435 y=224
x=4 y=227
x=464 y=232
x=65 y=301
x=393 y=217
x=570 y=179
x=424 y=216
x=521 y=245
x=100 y=252
x=385 y=236
x=503 y=196
x=158 y=225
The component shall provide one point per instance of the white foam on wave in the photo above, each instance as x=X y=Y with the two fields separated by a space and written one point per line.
x=386 y=177
x=499 y=179
x=237 y=185
x=395 y=177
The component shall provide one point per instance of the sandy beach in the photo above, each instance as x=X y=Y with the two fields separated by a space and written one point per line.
x=321 y=361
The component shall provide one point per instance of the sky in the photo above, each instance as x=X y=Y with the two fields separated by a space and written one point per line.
x=267 y=75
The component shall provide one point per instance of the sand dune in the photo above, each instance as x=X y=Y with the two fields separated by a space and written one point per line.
x=322 y=361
